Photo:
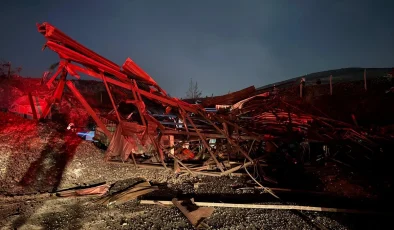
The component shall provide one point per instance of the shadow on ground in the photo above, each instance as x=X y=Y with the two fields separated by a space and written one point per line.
x=45 y=173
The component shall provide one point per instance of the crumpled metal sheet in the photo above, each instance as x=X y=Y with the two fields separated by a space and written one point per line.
x=96 y=190
x=230 y=98
x=239 y=104
x=123 y=146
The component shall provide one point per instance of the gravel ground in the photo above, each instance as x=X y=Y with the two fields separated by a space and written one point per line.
x=36 y=157
x=81 y=213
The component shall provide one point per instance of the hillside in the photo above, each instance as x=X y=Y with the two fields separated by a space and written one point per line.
x=338 y=75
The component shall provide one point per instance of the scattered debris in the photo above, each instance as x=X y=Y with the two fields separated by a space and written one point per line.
x=99 y=190
x=272 y=127
x=128 y=194
x=94 y=190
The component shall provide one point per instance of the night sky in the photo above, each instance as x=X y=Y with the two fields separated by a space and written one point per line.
x=224 y=45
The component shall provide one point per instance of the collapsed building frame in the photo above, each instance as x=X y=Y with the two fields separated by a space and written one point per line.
x=229 y=138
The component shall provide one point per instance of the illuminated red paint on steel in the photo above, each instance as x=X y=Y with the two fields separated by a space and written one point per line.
x=52 y=33
x=131 y=68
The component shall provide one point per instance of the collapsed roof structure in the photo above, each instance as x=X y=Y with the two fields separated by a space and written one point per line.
x=251 y=129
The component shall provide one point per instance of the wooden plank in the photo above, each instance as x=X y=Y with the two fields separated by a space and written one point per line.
x=269 y=206
x=89 y=109
x=184 y=166
x=236 y=168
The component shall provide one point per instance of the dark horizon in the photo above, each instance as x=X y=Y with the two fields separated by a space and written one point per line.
x=223 y=45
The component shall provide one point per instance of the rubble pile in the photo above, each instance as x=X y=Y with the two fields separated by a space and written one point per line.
x=266 y=128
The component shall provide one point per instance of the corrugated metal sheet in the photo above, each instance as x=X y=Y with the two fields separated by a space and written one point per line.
x=230 y=98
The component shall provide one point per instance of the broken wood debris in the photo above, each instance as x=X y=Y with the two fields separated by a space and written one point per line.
x=85 y=191
x=196 y=215
x=97 y=190
x=128 y=194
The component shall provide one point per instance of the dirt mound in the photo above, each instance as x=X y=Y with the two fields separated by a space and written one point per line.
x=41 y=157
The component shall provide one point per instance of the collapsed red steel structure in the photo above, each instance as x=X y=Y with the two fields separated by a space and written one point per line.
x=270 y=118
x=76 y=59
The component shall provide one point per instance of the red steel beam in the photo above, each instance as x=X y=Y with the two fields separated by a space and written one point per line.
x=59 y=69
x=71 y=50
x=112 y=99
x=72 y=55
x=60 y=87
x=166 y=100
x=54 y=34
